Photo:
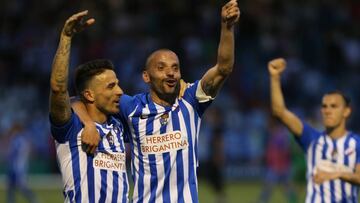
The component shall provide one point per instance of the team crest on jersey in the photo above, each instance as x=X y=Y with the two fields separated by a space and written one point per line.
x=164 y=119
x=110 y=138
x=349 y=151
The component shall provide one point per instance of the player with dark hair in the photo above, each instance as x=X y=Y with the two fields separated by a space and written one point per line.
x=87 y=178
x=333 y=155
x=165 y=127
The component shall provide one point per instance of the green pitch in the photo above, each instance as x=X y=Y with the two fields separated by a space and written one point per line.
x=244 y=192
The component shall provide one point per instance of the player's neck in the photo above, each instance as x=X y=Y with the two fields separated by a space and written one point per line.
x=336 y=132
x=163 y=100
x=96 y=115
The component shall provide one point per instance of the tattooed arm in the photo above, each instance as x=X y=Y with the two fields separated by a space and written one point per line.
x=213 y=79
x=60 y=110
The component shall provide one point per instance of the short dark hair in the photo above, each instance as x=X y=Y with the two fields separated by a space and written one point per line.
x=85 y=72
x=346 y=98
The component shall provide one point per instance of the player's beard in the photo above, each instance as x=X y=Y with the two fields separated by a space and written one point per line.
x=168 y=96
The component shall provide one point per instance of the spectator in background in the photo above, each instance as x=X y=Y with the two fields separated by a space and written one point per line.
x=17 y=163
x=278 y=163
x=217 y=156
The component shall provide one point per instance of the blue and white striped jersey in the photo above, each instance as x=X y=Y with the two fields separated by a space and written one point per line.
x=98 y=178
x=164 y=145
x=342 y=154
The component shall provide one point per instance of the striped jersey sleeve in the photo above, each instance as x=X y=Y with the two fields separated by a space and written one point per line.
x=197 y=97
x=308 y=135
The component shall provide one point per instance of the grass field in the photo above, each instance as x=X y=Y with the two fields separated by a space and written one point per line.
x=236 y=193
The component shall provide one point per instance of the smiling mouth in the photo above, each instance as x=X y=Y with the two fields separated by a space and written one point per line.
x=171 y=83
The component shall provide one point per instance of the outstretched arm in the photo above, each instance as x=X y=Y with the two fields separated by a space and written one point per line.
x=289 y=119
x=60 y=110
x=214 y=78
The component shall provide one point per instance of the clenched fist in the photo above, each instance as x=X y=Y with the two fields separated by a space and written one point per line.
x=277 y=66
x=230 y=13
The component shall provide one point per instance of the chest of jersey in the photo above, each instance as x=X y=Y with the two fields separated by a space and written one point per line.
x=333 y=155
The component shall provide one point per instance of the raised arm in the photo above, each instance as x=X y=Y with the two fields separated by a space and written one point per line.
x=214 y=78
x=279 y=110
x=60 y=110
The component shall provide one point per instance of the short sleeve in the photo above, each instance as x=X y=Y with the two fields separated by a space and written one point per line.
x=197 y=97
x=126 y=105
x=65 y=132
x=308 y=135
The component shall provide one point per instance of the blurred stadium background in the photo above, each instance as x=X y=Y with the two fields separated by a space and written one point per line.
x=319 y=39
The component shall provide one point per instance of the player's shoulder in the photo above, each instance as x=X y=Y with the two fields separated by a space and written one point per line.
x=355 y=136
x=190 y=90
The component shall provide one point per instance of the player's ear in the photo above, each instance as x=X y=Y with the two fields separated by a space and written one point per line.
x=145 y=76
x=347 y=112
x=88 y=95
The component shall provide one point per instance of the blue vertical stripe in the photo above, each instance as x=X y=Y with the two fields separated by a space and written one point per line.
x=115 y=186
x=70 y=195
x=346 y=163
x=152 y=158
x=196 y=119
x=332 y=186
x=192 y=177
x=140 y=181
x=179 y=160
x=354 y=190
x=90 y=179
x=323 y=156
x=126 y=189
x=313 y=162
x=167 y=171
x=103 y=174
x=76 y=172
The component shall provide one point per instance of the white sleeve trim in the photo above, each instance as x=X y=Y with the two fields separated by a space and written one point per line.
x=201 y=95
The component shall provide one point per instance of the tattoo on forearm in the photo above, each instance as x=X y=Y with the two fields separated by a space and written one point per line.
x=60 y=108
x=64 y=49
x=59 y=98
x=60 y=66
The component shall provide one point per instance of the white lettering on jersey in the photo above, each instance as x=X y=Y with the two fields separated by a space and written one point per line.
x=158 y=144
x=110 y=161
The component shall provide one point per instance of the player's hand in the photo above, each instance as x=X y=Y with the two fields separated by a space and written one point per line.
x=277 y=66
x=322 y=176
x=90 y=138
x=230 y=13
x=76 y=23
x=183 y=87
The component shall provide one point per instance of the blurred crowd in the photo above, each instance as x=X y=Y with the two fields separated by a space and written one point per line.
x=319 y=39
